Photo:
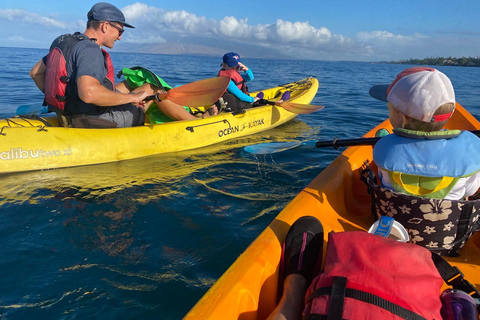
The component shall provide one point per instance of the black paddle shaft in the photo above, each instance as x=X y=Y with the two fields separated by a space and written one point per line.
x=337 y=143
x=153 y=97
x=265 y=102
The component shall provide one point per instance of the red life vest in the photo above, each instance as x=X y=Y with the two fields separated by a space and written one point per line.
x=57 y=80
x=371 y=277
x=235 y=77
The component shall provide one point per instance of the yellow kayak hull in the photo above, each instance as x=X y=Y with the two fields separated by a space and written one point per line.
x=28 y=144
x=337 y=197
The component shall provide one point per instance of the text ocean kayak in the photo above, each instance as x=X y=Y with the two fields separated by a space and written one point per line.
x=339 y=199
x=37 y=144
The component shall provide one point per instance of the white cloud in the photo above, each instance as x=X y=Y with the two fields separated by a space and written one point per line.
x=139 y=10
x=145 y=39
x=32 y=18
x=389 y=46
x=292 y=38
x=283 y=32
x=16 y=39
x=302 y=32
x=387 y=36
x=235 y=29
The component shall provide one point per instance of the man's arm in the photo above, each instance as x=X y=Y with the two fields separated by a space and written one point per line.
x=91 y=91
x=38 y=74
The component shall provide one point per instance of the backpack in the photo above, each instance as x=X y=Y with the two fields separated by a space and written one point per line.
x=372 y=277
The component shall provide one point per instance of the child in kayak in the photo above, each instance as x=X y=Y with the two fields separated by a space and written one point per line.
x=236 y=96
x=429 y=177
x=419 y=159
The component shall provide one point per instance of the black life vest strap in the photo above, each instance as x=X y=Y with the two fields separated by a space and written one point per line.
x=359 y=295
x=453 y=276
x=337 y=298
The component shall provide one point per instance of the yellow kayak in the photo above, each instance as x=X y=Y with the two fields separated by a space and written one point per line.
x=339 y=199
x=36 y=144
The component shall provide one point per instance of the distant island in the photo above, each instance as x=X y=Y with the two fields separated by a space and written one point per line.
x=441 y=61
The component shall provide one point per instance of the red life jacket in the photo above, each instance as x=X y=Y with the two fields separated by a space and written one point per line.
x=58 y=84
x=371 y=277
x=235 y=77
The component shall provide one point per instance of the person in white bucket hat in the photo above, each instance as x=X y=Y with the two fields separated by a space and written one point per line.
x=420 y=158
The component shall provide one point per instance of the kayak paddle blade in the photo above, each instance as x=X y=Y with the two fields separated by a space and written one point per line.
x=31 y=109
x=272 y=147
x=299 y=108
x=199 y=93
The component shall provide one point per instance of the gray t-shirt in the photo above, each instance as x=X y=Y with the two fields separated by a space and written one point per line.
x=86 y=59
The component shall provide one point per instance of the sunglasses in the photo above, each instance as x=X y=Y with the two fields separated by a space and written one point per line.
x=120 y=30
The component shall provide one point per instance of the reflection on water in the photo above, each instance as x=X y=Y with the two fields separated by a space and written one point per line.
x=137 y=235
x=152 y=176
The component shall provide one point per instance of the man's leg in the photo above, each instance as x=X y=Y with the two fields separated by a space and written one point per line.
x=291 y=304
x=171 y=109
x=124 y=116
x=302 y=259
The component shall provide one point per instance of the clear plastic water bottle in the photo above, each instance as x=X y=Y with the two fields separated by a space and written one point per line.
x=458 y=305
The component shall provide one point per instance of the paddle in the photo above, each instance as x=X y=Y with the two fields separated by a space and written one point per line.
x=196 y=94
x=293 y=107
x=274 y=147
x=33 y=108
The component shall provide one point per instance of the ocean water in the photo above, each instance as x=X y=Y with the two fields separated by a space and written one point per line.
x=146 y=238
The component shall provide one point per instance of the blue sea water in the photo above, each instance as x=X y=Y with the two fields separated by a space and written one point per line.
x=146 y=238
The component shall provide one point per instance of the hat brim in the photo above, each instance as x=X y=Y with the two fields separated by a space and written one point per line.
x=128 y=25
x=379 y=92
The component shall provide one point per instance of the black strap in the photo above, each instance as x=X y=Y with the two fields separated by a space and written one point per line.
x=370 y=179
x=462 y=227
x=367 y=298
x=35 y=117
x=61 y=98
x=453 y=276
x=337 y=299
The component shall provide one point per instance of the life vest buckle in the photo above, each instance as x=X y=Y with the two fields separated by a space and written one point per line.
x=61 y=98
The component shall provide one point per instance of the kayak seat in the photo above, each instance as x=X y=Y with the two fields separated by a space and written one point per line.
x=83 y=121
x=442 y=226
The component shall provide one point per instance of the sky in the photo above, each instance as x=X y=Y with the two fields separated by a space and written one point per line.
x=352 y=30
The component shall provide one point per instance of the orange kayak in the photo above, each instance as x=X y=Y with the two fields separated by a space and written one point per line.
x=339 y=199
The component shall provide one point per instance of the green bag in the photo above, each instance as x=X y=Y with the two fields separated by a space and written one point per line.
x=137 y=76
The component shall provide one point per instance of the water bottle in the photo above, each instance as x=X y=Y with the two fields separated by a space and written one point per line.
x=458 y=305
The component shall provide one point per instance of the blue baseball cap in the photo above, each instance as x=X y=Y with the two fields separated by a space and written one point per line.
x=103 y=11
x=231 y=59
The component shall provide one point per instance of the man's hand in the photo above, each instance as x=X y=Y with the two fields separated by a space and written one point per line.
x=138 y=98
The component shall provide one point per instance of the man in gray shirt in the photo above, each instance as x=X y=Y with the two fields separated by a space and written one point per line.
x=88 y=77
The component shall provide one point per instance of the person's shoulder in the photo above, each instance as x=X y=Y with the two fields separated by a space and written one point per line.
x=88 y=46
x=470 y=134
x=85 y=41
